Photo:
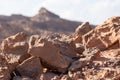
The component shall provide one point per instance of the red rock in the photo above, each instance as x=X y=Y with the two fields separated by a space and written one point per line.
x=47 y=76
x=101 y=74
x=49 y=52
x=77 y=65
x=31 y=67
x=67 y=49
x=14 y=48
x=91 y=51
x=110 y=54
x=80 y=31
x=64 y=46
x=83 y=29
x=4 y=70
x=103 y=36
x=79 y=48
x=33 y=40
x=114 y=46
x=77 y=76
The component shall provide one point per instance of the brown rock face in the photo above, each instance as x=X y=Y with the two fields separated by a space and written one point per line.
x=111 y=54
x=14 y=48
x=80 y=31
x=49 y=52
x=104 y=35
x=67 y=49
x=31 y=67
x=4 y=70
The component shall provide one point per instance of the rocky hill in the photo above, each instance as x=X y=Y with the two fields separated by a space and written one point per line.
x=43 y=21
x=86 y=54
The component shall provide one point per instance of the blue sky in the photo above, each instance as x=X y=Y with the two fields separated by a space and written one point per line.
x=94 y=11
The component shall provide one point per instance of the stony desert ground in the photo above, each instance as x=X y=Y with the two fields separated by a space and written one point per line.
x=88 y=53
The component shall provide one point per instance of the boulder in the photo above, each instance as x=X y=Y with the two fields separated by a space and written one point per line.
x=103 y=36
x=15 y=48
x=65 y=47
x=30 y=67
x=80 y=31
x=50 y=54
x=4 y=70
x=89 y=56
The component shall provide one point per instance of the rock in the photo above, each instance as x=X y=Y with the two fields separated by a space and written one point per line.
x=15 y=48
x=79 y=48
x=106 y=66
x=59 y=57
x=21 y=78
x=114 y=46
x=4 y=70
x=47 y=76
x=77 y=65
x=67 y=49
x=89 y=56
x=80 y=31
x=31 y=67
x=33 y=40
x=91 y=51
x=56 y=78
x=113 y=53
x=65 y=77
x=64 y=46
x=77 y=76
x=103 y=36
x=101 y=74
x=49 y=52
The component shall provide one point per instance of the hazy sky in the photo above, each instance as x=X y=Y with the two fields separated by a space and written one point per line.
x=94 y=11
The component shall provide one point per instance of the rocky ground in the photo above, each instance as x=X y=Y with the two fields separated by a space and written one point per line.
x=87 y=54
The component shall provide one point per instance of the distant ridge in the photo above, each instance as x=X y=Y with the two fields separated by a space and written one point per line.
x=44 y=20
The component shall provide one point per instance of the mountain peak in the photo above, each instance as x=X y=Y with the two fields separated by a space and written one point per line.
x=44 y=15
x=44 y=12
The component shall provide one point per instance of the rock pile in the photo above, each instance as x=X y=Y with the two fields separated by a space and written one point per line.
x=87 y=54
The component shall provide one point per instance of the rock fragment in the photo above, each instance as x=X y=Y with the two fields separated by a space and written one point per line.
x=4 y=69
x=31 y=67
x=49 y=52
x=80 y=31
x=103 y=36
x=14 y=48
